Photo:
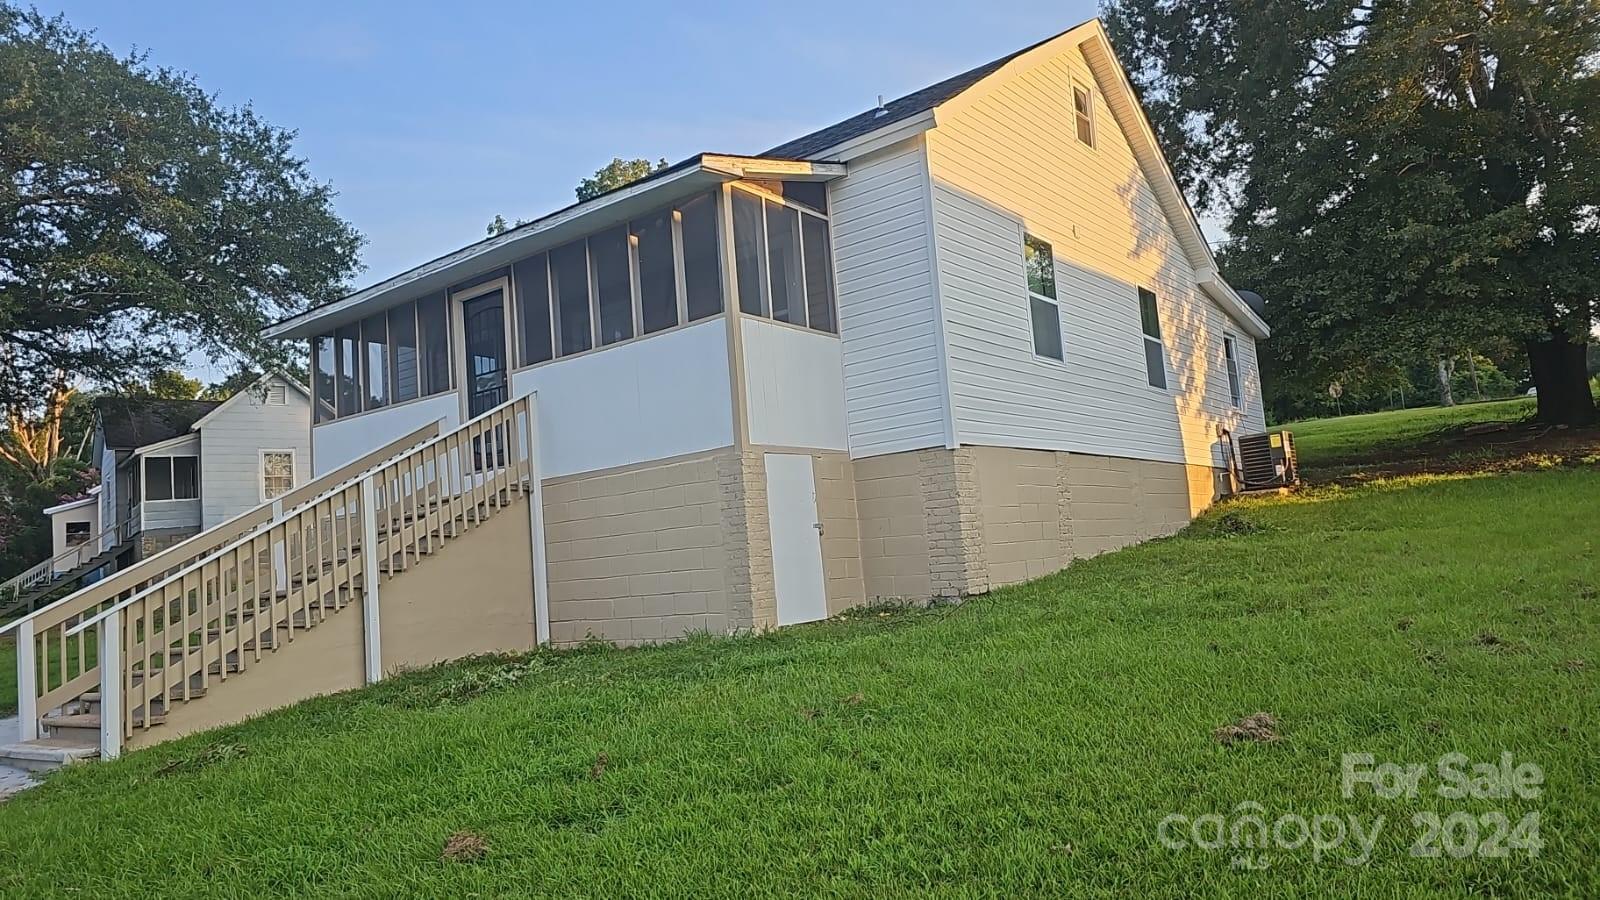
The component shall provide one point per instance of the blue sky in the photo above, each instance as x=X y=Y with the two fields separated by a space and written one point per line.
x=431 y=118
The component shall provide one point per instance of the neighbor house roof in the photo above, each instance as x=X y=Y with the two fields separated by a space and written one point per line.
x=255 y=386
x=128 y=423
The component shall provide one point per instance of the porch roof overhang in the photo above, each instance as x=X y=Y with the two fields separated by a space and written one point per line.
x=685 y=179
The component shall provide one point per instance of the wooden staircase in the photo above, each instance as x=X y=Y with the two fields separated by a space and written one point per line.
x=181 y=638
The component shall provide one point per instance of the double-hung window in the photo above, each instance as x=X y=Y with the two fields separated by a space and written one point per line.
x=1155 y=357
x=1083 y=114
x=1044 y=311
x=277 y=473
x=1230 y=351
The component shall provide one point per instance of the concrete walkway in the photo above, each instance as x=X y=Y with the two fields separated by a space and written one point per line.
x=12 y=780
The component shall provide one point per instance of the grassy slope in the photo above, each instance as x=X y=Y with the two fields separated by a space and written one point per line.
x=1029 y=740
x=1323 y=442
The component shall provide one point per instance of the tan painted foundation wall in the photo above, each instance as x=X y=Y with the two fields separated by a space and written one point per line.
x=638 y=554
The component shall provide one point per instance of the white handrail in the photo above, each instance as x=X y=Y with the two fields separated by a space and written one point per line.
x=254 y=534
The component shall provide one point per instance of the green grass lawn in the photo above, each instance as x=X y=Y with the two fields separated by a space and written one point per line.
x=1326 y=442
x=1029 y=741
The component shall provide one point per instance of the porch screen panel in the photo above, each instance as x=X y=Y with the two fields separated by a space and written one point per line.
x=658 y=271
x=749 y=251
x=322 y=378
x=532 y=278
x=613 y=284
x=783 y=264
x=403 y=383
x=433 y=340
x=348 y=340
x=702 y=273
x=569 y=279
x=375 y=362
x=819 y=275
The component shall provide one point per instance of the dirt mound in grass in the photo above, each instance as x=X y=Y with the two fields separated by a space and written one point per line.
x=1257 y=728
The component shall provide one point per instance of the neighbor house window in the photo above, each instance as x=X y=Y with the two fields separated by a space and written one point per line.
x=782 y=262
x=277 y=473
x=1230 y=350
x=1155 y=358
x=171 y=478
x=1083 y=113
x=1043 y=309
x=77 y=533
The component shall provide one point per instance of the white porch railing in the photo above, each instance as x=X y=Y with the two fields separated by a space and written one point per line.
x=211 y=619
x=55 y=667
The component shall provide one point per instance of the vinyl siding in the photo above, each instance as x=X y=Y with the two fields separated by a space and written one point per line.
x=232 y=441
x=894 y=387
x=1009 y=162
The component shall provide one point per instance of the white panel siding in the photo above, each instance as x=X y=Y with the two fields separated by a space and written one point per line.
x=794 y=387
x=341 y=441
x=1010 y=162
x=232 y=440
x=894 y=388
x=665 y=395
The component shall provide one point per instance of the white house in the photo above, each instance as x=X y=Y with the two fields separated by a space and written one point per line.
x=947 y=344
x=171 y=468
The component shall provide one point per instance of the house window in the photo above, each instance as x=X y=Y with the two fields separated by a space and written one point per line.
x=783 y=265
x=1230 y=350
x=1155 y=358
x=1083 y=113
x=277 y=473
x=77 y=533
x=171 y=478
x=1043 y=309
x=403 y=383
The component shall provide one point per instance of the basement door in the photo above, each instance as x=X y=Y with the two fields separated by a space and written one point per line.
x=796 y=538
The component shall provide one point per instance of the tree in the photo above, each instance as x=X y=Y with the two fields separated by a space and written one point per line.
x=617 y=173
x=168 y=384
x=1401 y=180
x=141 y=221
x=499 y=225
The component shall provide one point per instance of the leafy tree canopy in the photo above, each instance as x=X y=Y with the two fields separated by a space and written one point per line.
x=1400 y=179
x=615 y=174
x=140 y=221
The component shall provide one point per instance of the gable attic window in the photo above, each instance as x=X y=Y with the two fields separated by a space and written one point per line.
x=1044 y=312
x=1155 y=357
x=1230 y=351
x=1083 y=114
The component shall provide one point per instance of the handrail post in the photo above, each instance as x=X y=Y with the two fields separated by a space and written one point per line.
x=27 y=686
x=541 y=574
x=373 y=641
x=110 y=662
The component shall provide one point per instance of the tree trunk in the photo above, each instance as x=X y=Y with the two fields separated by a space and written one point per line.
x=1561 y=376
x=1447 y=369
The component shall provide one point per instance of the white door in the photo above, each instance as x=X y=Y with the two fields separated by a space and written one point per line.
x=796 y=539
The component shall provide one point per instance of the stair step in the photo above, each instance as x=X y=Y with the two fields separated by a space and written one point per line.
x=74 y=726
x=44 y=754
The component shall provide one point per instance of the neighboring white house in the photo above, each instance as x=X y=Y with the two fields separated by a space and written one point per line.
x=74 y=524
x=950 y=343
x=170 y=468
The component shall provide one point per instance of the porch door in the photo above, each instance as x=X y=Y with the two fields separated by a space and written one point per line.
x=483 y=325
x=796 y=538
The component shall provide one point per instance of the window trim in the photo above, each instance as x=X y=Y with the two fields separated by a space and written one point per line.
x=1230 y=362
x=1027 y=289
x=294 y=470
x=1160 y=341
x=1088 y=96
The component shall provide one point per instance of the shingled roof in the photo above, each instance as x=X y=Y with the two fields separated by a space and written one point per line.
x=132 y=422
x=912 y=104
